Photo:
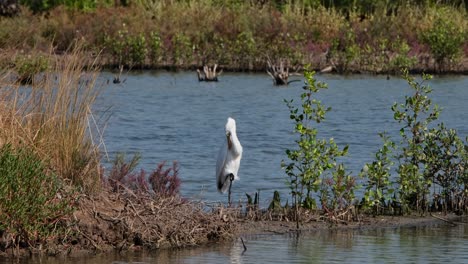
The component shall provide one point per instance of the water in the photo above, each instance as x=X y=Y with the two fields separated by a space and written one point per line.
x=171 y=116
x=434 y=243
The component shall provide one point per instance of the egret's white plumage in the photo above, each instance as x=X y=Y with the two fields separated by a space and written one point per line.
x=229 y=157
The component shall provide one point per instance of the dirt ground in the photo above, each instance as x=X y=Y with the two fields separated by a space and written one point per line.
x=366 y=222
x=113 y=221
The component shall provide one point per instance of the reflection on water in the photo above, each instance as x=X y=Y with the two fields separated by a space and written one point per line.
x=436 y=243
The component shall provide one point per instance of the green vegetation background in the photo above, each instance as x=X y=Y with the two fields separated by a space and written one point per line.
x=372 y=35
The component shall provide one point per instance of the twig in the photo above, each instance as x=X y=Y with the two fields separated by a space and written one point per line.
x=445 y=220
x=243 y=244
x=136 y=212
x=87 y=237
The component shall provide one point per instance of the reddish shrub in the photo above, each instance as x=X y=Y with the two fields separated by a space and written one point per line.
x=165 y=182
x=162 y=182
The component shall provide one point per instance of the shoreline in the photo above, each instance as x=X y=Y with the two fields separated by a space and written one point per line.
x=319 y=66
x=241 y=228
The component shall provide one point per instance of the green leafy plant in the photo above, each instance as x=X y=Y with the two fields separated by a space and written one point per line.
x=402 y=59
x=244 y=48
x=313 y=156
x=337 y=194
x=182 y=49
x=445 y=40
x=445 y=164
x=28 y=66
x=121 y=169
x=32 y=203
x=344 y=50
x=137 y=49
x=415 y=114
x=379 y=192
x=156 y=45
x=117 y=46
x=83 y=5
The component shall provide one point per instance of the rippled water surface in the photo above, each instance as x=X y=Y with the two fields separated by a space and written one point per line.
x=171 y=116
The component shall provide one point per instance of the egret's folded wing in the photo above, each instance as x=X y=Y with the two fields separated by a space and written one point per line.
x=220 y=163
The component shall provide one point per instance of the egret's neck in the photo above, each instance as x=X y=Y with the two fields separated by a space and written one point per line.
x=234 y=144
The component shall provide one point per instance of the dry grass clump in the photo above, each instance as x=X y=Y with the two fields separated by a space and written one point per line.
x=52 y=115
x=126 y=220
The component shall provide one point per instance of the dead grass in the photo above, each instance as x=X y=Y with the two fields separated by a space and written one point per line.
x=126 y=221
x=53 y=115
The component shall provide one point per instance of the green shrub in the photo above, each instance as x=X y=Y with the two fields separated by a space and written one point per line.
x=117 y=46
x=314 y=158
x=337 y=194
x=416 y=114
x=137 y=49
x=28 y=66
x=344 y=50
x=445 y=158
x=44 y=5
x=156 y=46
x=445 y=40
x=379 y=191
x=432 y=159
x=402 y=59
x=182 y=50
x=31 y=201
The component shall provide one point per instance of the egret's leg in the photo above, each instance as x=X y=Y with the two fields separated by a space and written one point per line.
x=231 y=178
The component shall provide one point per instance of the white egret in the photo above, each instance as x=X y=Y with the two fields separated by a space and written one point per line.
x=229 y=158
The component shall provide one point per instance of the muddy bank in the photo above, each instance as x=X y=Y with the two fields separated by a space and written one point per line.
x=129 y=222
x=365 y=222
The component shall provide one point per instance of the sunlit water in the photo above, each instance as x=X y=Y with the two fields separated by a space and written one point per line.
x=171 y=116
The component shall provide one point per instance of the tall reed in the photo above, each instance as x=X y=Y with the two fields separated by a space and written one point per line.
x=53 y=116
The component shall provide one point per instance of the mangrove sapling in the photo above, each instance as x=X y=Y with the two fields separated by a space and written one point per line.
x=415 y=114
x=27 y=67
x=337 y=195
x=445 y=159
x=462 y=180
x=313 y=157
x=379 y=191
x=155 y=48
x=445 y=39
x=138 y=51
x=182 y=49
x=344 y=50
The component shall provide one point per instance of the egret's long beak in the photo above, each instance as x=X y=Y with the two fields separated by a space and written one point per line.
x=229 y=141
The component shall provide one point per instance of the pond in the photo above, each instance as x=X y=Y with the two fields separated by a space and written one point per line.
x=168 y=116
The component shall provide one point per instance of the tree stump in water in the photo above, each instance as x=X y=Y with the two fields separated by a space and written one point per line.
x=279 y=74
x=117 y=78
x=209 y=74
